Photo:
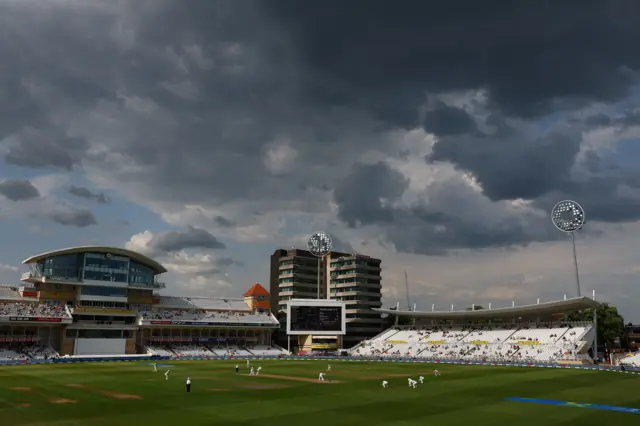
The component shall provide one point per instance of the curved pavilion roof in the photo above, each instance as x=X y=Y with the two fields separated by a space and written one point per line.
x=140 y=258
x=545 y=308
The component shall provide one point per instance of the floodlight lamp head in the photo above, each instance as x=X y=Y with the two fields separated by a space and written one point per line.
x=568 y=216
x=319 y=244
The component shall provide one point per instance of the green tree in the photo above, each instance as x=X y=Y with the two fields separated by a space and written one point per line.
x=475 y=308
x=611 y=329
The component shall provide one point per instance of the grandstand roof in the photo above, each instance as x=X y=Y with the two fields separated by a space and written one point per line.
x=545 y=308
x=140 y=258
x=256 y=290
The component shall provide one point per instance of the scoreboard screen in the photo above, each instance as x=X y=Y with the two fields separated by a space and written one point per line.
x=316 y=319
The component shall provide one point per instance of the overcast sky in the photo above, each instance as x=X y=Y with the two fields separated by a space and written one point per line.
x=434 y=135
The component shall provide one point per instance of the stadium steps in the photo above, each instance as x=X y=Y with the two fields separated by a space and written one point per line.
x=559 y=339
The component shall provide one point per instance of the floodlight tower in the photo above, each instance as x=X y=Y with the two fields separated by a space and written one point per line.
x=568 y=216
x=319 y=245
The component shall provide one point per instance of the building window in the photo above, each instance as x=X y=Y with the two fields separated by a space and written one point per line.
x=139 y=274
x=62 y=268
x=106 y=267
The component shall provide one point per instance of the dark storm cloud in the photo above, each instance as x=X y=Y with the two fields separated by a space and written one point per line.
x=189 y=238
x=82 y=192
x=508 y=168
x=527 y=54
x=598 y=120
x=192 y=104
x=444 y=120
x=592 y=161
x=364 y=197
x=18 y=190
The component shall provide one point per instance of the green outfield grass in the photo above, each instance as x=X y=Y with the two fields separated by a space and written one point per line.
x=123 y=394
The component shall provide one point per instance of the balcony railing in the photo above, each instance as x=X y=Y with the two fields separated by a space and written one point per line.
x=46 y=277
x=155 y=286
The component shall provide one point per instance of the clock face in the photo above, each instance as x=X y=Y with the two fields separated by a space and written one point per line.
x=320 y=244
x=568 y=216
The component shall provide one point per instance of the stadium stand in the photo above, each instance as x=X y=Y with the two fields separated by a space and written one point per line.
x=26 y=351
x=633 y=360
x=505 y=342
x=198 y=314
x=18 y=309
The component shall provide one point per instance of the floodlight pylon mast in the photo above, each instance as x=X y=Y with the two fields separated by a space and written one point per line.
x=575 y=263
x=568 y=217
x=319 y=279
x=406 y=285
x=319 y=245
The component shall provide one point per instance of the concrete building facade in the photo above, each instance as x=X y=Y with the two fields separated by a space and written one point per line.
x=352 y=278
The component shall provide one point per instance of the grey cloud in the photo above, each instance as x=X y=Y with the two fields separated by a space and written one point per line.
x=341 y=245
x=189 y=238
x=592 y=161
x=43 y=148
x=224 y=222
x=67 y=215
x=227 y=261
x=82 y=192
x=18 y=190
x=454 y=217
x=629 y=117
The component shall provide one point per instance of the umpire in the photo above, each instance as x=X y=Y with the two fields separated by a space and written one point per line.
x=188 y=384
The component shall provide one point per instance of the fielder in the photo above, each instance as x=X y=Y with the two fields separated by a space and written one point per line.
x=385 y=384
x=155 y=367
x=166 y=374
x=421 y=379
x=412 y=383
x=436 y=373
x=329 y=368
x=253 y=372
x=321 y=377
